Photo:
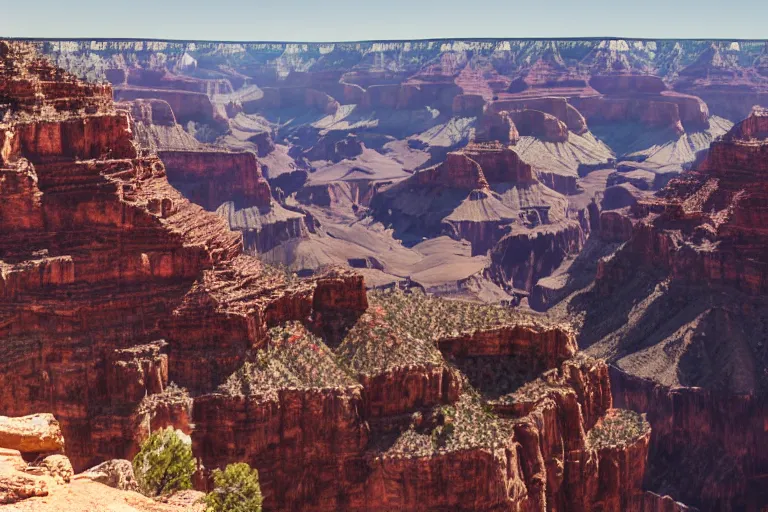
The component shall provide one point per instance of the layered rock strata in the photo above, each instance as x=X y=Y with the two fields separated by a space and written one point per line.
x=120 y=260
x=486 y=194
x=392 y=403
x=126 y=308
x=679 y=309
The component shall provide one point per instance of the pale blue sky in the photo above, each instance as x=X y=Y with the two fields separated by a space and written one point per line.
x=346 y=20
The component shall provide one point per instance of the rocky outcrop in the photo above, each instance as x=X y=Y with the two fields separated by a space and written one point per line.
x=37 y=433
x=117 y=473
x=541 y=125
x=497 y=127
x=753 y=127
x=499 y=164
x=644 y=99
x=211 y=178
x=187 y=106
x=163 y=79
x=37 y=438
x=49 y=483
x=693 y=252
x=458 y=171
x=155 y=127
x=560 y=108
x=15 y=484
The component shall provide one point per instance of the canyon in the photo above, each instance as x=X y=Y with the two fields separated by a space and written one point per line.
x=435 y=275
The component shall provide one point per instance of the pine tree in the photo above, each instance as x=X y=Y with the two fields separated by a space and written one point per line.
x=236 y=489
x=164 y=464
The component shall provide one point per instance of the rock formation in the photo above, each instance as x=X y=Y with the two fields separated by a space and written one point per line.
x=497 y=127
x=730 y=88
x=211 y=178
x=679 y=309
x=49 y=483
x=371 y=380
x=122 y=260
x=643 y=99
x=558 y=108
x=488 y=195
x=400 y=408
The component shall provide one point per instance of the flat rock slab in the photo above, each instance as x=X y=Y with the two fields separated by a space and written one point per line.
x=37 y=433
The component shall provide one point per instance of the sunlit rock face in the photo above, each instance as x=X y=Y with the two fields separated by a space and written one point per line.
x=691 y=273
x=520 y=172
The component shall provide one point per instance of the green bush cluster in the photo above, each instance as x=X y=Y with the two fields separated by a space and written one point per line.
x=618 y=427
x=236 y=489
x=164 y=464
x=292 y=358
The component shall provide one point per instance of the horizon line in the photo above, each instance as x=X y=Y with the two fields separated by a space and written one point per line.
x=370 y=41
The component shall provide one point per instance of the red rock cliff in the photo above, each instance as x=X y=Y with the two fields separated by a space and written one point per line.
x=210 y=178
x=694 y=261
x=121 y=260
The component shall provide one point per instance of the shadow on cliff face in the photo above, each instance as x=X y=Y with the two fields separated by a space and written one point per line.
x=334 y=327
x=708 y=362
x=415 y=213
x=608 y=310
x=495 y=376
x=704 y=445
x=578 y=276
x=675 y=332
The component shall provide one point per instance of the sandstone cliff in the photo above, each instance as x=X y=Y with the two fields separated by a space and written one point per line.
x=127 y=308
x=121 y=259
x=691 y=274
x=486 y=194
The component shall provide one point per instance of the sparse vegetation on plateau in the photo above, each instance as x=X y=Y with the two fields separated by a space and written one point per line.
x=466 y=424
x=400 y=329
x=619 y=427
x=293 y=358
x=431 y=318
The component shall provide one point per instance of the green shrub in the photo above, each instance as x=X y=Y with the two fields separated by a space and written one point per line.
x=164 y=464
x=236 y=489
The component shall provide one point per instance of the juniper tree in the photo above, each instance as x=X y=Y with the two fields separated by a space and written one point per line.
x=164 y=464
x=236 y=489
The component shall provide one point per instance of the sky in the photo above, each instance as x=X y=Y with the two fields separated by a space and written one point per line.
x=355 y=20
